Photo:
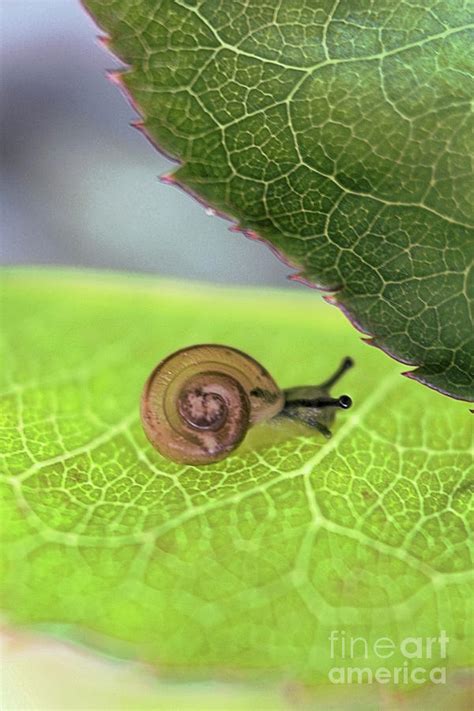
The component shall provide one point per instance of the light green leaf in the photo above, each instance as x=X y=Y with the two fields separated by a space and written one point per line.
x=249 y=564
x=338 y=131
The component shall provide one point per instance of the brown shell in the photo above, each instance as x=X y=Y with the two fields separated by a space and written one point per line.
x=199 y=402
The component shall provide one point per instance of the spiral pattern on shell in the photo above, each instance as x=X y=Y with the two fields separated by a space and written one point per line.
x=198 y=403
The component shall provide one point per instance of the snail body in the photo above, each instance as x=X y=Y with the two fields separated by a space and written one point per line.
x=198 y=403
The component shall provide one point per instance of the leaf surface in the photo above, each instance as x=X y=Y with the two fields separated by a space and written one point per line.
x=340 y=134
x=249 y=564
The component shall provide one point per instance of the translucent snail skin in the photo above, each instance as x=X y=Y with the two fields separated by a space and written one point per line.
x=198 y=403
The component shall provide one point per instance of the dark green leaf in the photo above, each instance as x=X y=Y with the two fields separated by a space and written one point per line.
x=339 y=132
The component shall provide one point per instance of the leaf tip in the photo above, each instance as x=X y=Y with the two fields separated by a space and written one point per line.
x=115 y=77
x=104 y=41
x=167 y=179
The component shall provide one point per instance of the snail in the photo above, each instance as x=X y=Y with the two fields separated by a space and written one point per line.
x=198 y=403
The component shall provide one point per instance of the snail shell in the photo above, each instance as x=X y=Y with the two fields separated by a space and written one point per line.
x=198 y=403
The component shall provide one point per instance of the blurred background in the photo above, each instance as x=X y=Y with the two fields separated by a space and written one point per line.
x=80 y=186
